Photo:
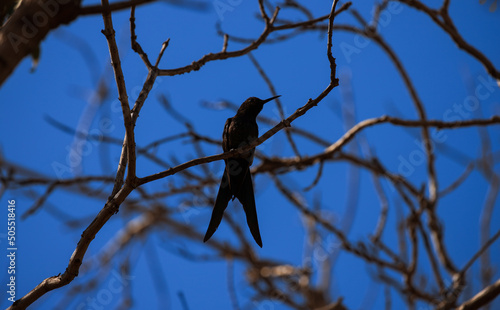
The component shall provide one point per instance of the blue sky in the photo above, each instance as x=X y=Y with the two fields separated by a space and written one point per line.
x=75 y=57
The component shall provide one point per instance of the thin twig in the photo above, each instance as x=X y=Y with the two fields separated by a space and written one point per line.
x=129 y=141
x=483 y=248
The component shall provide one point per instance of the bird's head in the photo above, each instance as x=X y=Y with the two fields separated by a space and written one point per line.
x=253 y=105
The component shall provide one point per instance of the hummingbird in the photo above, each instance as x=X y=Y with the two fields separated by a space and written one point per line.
x=239 y=130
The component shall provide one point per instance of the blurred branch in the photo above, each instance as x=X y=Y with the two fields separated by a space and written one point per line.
x=482 y=298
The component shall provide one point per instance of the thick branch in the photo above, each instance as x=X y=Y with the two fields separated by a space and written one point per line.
x=76 y=259
x=482 y=298
x=23 y=33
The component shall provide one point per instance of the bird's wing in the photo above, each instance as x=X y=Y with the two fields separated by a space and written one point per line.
x=235 y=167
x=255 y=135
x=246 y=196
x=225 y=135
x=226 y=146
x=220 y=206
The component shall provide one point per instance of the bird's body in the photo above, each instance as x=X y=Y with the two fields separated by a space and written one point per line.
x=239 y=130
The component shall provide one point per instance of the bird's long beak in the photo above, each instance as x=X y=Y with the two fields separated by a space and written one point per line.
x=267 y=100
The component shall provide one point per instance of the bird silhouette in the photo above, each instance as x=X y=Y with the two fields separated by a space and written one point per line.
x=239 y=130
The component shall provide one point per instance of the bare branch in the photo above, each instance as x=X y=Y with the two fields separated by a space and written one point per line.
x=129 y=141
